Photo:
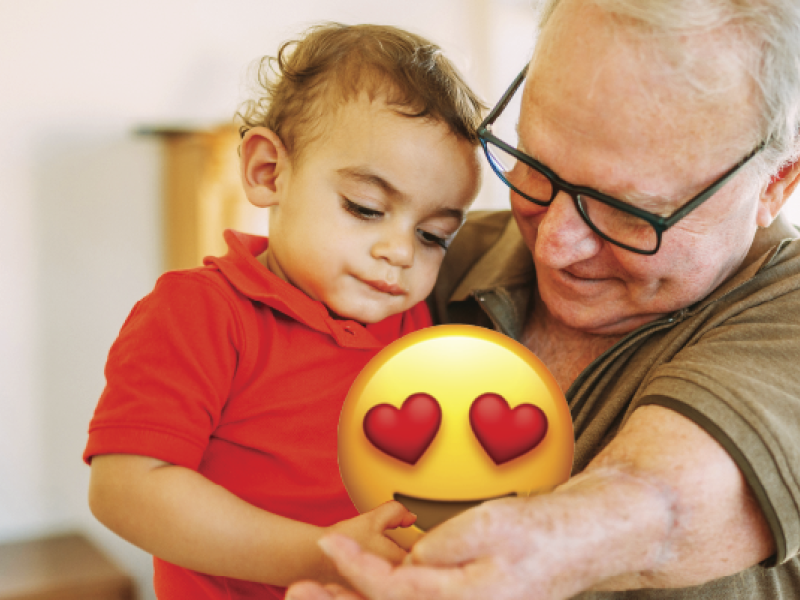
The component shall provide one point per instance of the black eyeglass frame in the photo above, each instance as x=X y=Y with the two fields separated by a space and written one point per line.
x=660 y=224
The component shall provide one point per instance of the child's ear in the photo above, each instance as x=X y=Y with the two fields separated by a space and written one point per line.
x=777 y=192
x=264 y=166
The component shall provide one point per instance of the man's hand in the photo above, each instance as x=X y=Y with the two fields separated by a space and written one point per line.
x=511 y=548
x=373 y=577
x=369 y=530
x=645 y=513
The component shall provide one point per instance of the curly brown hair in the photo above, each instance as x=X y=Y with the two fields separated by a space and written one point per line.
x=332 y=63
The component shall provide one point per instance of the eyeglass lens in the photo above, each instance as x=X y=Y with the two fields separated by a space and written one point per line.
x=614 y=224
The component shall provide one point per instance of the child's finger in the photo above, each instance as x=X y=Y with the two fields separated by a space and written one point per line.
x=409 y=519
x=392 y=514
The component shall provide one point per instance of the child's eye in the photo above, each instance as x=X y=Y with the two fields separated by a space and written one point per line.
x=431 y=239
x=360 y=212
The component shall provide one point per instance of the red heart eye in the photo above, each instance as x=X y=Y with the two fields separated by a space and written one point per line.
x=506 y=434
x=407 y=432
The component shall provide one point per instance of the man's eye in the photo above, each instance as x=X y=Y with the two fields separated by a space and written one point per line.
x=431 y=239
x=361 y=212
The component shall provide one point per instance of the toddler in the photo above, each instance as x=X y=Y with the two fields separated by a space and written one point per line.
x=213 y=445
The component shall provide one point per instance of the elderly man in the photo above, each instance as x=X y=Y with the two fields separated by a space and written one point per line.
x=657 y=145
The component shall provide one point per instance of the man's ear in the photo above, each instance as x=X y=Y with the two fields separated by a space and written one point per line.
x=777 y=192
x=264 y=166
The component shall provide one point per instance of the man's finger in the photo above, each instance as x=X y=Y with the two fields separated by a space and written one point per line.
x=309 y=590
x=476 y=533
x=349 y=559
x=377 y=579
x=454 y=542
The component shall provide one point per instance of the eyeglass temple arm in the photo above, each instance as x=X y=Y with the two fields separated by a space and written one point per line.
x=710 y=191
x=506 y=98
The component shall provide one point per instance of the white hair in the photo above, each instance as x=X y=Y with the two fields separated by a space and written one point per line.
x=762 y=35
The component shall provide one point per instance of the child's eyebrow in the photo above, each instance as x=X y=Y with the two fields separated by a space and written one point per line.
x=364 y=175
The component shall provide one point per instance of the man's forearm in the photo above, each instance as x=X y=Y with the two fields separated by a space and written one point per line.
x=601 y=526
x=717 y=527
x=662 y=506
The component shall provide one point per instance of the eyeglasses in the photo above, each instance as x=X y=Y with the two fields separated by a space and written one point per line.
x=613 y=220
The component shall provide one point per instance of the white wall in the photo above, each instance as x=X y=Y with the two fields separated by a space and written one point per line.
x=80 y=227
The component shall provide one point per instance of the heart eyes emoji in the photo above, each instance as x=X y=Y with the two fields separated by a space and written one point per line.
x=504 y=433
x=404 y=433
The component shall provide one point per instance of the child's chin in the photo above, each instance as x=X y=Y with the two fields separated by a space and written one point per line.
x=350 y=315
x=363 y=316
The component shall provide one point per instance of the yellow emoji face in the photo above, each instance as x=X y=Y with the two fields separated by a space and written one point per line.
x=448 y=417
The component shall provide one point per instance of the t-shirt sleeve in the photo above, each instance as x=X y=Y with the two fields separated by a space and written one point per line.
x=740 y=381
x=169 y=373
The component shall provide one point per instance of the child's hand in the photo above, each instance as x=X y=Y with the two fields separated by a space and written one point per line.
x=368 y=529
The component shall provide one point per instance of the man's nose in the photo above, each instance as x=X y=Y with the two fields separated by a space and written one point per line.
x=395 y=247
x=563 y=237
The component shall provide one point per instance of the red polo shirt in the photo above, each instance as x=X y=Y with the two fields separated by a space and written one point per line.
x=229 y=370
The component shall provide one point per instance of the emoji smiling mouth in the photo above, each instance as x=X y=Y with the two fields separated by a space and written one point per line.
x=432 y=512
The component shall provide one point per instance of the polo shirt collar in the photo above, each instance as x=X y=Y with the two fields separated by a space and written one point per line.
x=252 y=279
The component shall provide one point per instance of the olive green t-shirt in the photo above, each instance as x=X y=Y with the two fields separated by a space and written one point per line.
x=730 y=363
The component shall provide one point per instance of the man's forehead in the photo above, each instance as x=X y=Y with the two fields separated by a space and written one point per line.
x=657 y=177
x=664 y=64
x=595 y=94
x=652 y=200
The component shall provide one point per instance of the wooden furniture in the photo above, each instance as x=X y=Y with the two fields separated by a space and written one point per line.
x=64 y=567
x=202 y=193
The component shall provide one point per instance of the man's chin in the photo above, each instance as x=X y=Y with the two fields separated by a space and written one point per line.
x=595 y=318
x=608 y=325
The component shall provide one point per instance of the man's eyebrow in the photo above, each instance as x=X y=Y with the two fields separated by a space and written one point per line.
x=645 y=200
x=653 y=203
x=366 y=176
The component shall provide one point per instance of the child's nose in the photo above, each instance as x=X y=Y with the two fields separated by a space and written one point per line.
x=396 y=248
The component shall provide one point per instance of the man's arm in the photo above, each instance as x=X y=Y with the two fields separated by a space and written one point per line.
x=182 y=517
x=717 y=528
x=662 y=506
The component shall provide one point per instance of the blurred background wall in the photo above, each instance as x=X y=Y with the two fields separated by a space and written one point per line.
x=81 y=193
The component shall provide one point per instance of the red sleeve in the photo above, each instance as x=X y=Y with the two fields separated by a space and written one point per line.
x=169 y=372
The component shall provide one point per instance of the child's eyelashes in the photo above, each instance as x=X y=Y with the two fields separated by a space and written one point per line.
x=359 y=211
x=432 y=239
x=370 y=214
